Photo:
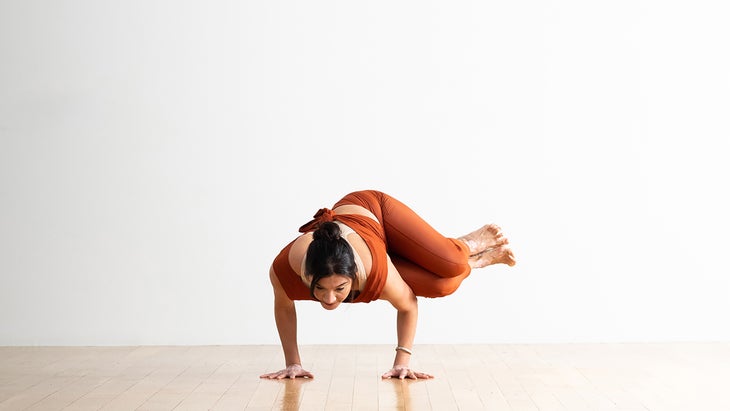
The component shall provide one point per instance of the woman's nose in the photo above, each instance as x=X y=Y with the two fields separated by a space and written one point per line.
x=329 y=298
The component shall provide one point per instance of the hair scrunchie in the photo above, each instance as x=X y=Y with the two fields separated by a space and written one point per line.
x=322 y=216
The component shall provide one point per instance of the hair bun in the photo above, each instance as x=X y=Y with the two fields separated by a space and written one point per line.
x=327 y=231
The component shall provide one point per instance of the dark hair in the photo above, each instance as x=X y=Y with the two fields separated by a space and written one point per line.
x=329 y=254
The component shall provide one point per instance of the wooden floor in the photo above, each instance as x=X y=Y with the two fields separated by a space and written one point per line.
x=581 y=377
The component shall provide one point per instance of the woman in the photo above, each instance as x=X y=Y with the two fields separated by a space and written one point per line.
x=370 y=246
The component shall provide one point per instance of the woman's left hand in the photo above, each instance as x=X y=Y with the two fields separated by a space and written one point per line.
x=402 y=372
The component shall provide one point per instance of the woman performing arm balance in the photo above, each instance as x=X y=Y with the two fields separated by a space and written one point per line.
x=370 y=246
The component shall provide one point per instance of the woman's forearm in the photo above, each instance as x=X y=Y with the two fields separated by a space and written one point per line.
x=286 y=323
x=407 y=323
x=285 y=315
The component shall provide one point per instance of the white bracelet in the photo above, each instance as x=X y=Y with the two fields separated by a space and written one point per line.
x=404 y=349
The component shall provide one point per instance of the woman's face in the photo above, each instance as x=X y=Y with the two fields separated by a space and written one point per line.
x=332 y=290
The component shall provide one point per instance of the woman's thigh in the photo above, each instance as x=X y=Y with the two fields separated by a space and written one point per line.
x=410 y=237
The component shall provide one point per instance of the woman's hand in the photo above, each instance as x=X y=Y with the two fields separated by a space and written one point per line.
x=292 y=371
x=402 y=372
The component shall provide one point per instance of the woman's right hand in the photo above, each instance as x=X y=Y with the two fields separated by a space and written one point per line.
x=292 y=371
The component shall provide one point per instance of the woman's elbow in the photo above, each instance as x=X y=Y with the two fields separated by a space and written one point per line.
x=409 y=303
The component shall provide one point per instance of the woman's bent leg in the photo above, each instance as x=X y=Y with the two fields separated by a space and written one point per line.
x=411 y=237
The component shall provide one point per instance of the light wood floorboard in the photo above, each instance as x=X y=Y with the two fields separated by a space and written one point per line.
x=539 y=377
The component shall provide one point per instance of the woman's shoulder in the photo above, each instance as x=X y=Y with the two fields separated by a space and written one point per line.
x=396 y=290
x=298 y=251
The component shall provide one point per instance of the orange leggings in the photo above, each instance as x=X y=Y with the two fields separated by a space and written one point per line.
x=431 y=264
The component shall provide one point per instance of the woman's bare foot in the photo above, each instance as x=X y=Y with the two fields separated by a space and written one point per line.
x=496 y=255
x=489 y=236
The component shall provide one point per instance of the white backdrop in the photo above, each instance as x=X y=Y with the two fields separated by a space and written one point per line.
x=156 y=155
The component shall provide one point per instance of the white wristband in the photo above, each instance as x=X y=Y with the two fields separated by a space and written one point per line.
x=404 y=349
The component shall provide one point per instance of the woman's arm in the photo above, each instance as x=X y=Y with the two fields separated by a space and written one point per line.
x=400 y=295
x=285 y=315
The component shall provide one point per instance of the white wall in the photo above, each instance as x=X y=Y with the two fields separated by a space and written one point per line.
x=156 y=155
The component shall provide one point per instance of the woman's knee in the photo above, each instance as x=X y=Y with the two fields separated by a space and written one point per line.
x=440 y=287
